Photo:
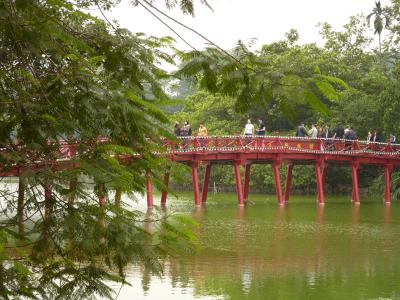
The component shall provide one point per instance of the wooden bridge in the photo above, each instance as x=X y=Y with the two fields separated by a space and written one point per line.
x=245 y=151
x=275 y=150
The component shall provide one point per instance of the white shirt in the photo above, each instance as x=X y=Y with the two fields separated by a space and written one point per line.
x=249 y=129
x=313 y=133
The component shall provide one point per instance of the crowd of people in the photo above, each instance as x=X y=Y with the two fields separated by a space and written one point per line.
x=340 y=132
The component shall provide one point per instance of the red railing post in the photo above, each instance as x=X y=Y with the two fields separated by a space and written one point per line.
x=206 y=180
x=238 y=141
x=288 y=182
x=216 y=142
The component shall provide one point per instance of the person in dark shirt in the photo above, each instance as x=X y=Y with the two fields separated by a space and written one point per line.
x=327 y=133
x=177 y=129
x=301 y=131
x=375 y=137
x=350 y=134
x=261 y=127
x=339 y=132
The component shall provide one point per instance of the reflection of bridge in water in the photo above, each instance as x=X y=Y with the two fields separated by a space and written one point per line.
x=245 y=151
x=258 y=248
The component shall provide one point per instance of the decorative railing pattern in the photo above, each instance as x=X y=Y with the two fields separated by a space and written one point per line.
x=283 y=144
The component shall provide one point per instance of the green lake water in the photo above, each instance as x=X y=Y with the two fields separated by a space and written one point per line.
x=263 y=251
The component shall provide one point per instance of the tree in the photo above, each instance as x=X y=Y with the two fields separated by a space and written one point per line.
x=253 y=80
x=381 y=21
x=66 y=75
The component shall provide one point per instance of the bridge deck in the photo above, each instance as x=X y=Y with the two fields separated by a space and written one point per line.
x=245 y=151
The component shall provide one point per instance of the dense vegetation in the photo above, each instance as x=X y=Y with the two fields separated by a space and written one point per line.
x=66 y=75
x=357 y=85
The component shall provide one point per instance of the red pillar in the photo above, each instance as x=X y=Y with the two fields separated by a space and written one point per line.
x=102 y=194
x=47 y=199
x=325 y=170
x=239 y=190
x=206 y=180
x=388 y=171
x=165 y=193
x=320 y=183
x=21 y=204
x=354 y=176
x=149 y=190
x=275 y=168
x=246 y=182
x=195 y=178
x=288 y=182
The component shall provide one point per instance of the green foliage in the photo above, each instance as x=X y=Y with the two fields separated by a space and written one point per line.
x=343 y=82
x=381 y=20
x=66 y=75
x=257 y=79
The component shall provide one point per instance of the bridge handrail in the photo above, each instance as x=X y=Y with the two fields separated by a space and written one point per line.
x=68 y=148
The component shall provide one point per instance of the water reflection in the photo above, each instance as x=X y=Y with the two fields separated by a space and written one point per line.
x=301 y=251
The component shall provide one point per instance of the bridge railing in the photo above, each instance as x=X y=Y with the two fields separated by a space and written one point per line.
x=257 y=143
x=69 y=148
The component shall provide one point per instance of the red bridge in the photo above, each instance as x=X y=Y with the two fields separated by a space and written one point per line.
x=245 y=151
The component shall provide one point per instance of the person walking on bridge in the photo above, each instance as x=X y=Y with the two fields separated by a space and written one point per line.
x=203 y=132
x=261 y=127
x=327 y=133
x=339 y=132
x=177 y=129
x=392 y=139
x=313 y=133
x=248 y=131
x=177 y=133
x=375 y=137
x=301 y=131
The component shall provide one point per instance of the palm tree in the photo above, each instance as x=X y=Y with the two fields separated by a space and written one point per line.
x=381 y=20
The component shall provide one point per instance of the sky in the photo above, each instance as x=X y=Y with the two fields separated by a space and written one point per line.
x=231 y=20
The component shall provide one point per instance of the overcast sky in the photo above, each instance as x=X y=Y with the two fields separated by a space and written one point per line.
x=232 y=20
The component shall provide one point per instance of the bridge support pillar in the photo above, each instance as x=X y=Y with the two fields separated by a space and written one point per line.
x=320 y=182
x=117 y=197
x=21 y=204
x=277 y=176
x=288 y=182
x=206 y=180
x=238 y=179
x=195 y=179
x=354 y=176
x=246 y=182
x=387 y=195
x=102 y=194
x=164 y=193
x=149 y=190
x=48 y=205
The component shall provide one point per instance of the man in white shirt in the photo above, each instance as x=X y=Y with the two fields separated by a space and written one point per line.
x=249 y=128
x=248 y=131
x=313 y=133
